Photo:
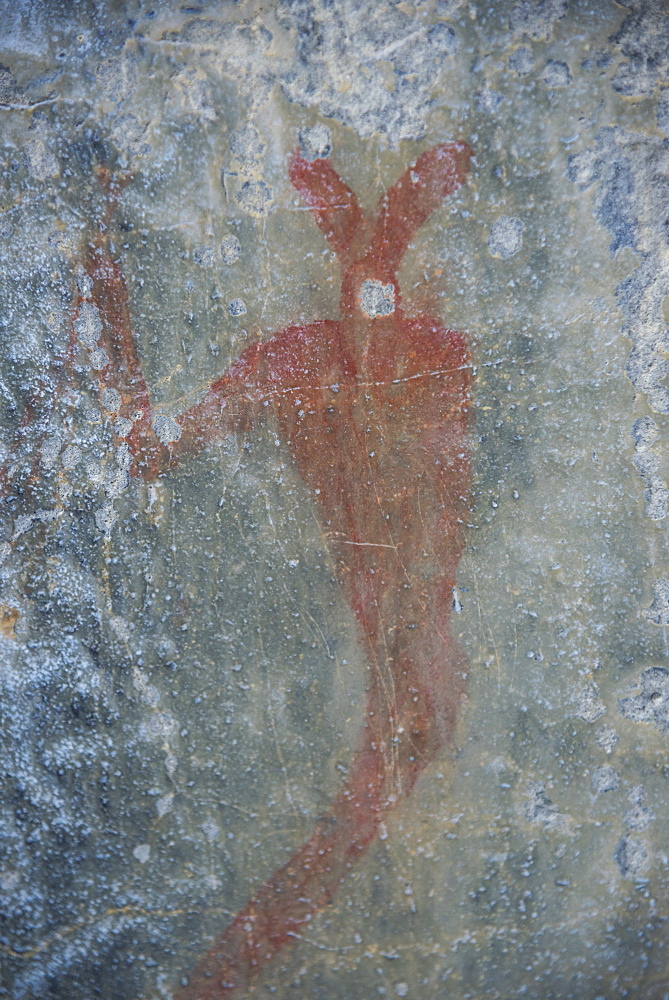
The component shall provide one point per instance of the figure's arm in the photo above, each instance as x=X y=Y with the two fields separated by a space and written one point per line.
x=230 y=404
x=410 y=202
x=335 y=207
x=102 y=325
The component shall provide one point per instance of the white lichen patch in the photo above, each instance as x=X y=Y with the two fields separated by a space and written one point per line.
x=50 y=451
x=246 y=145
x=167 y=429
x=88 y=325
x=142 y=852
x=122 y=426
x=255 y=198
x=556 y=74
x=24 y=522
x=658 y=611
x=99 y=359
x=105 y=518
x=164 y=804
x=231 y=249
x=536 y=17
x=377 y=299
x=111 y=399
x=315 y=142
x=237 y=307
x=647 y=462
x=204 y=256
x=71 y=457
x=506 y=237
x=589 y=706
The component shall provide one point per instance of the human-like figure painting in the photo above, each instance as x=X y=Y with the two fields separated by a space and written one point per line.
x=374 y=408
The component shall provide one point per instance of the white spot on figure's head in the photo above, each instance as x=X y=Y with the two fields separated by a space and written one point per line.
x=377 y=299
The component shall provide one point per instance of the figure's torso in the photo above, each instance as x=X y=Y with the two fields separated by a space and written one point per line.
x=383 y=452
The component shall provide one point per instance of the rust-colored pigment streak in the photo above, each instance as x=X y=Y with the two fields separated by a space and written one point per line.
x=374 y=407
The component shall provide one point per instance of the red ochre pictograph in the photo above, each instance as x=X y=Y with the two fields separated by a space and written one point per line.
x=374 y=407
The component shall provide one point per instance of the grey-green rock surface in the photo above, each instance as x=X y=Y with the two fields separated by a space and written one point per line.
x=182 y=678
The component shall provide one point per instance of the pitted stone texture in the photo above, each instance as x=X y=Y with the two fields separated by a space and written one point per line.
x=658 y=612
x=644 y=42
x=341 y=50
x=652 y=703
x=631 y=171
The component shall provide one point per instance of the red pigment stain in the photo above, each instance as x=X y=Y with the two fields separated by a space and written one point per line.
x=374 y=408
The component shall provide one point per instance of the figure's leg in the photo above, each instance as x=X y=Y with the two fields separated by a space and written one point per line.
x=276 y=915
x=395 y=747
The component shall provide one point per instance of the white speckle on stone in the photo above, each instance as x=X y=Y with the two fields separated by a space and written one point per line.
x=93 y=470
x=315 y=142
x=166 y=429
x=237 y=307
x=142 y=852
x=231 y=249
x=401 y=989
x=377 y=299
x=506 y=237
